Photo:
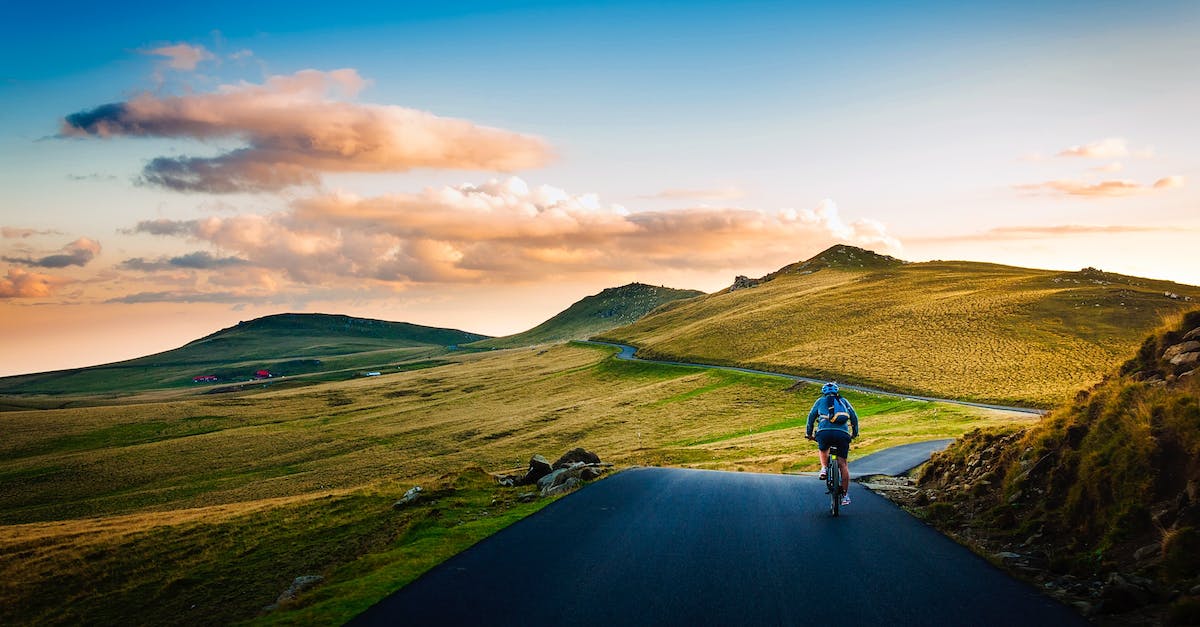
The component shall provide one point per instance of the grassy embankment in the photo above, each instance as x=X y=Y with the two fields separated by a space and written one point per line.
x=1109 y=482
x=204 y=509
x=953 y=329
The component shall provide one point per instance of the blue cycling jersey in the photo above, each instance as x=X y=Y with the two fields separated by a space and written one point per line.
x=825 y=420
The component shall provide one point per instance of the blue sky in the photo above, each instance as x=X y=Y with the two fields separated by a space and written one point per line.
x=1048 y=134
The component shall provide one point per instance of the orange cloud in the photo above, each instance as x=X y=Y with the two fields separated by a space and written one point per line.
x=297 y=127
x=181 y=56
x=24 y=284
x=1103 y=189
x=1169 y=182
x=1107 y=148
x=507 y=231
x=12 y=232
x=1008 y=233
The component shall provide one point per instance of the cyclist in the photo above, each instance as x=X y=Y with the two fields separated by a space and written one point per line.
x=834 y=418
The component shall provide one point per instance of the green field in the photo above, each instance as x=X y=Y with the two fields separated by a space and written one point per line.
x=952 y=329
x=146 y=507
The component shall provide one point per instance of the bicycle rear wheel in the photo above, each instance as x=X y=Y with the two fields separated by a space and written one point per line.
x=835 y=486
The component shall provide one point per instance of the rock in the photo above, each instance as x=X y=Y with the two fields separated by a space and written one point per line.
x=538 y=467
x=576 y=455
x=1182 y=347
x=526 y=497
x=1194 y=334
x=299 y=585
x=589 y=473
x=1185 y=359
x=566 y=486
x=410 y=497
x=742 y=282
x=1120 y=596
x=1083 y=607
x=1148 y=551
x=1007 y=556
x=548 y=480
x=1195 y=591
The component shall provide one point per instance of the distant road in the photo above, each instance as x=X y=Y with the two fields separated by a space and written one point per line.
x=627 y=353
x=668 y=546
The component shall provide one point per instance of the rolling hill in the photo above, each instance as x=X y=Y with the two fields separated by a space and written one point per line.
x=611 y=308
x=282 y=344
x=956 y=329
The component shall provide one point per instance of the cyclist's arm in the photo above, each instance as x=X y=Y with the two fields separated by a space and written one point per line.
x=812 y=417
x=853 y=419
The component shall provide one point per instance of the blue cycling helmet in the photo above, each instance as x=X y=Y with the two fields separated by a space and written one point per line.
x=829 y=388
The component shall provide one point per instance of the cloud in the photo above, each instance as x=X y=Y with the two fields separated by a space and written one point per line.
x=297 y=127
x=1008 y=233
x=720 y=193
x=507 y=231
x=180 y=296
x=19 y=283
x=1107 y=148
x=200 y=260
x=78 y=253
x=1170 y=182
x=162 y=226
x=181 y=56
x=1102 y=189
x=12 y=232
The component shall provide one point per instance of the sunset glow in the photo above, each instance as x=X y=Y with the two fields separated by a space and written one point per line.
x=168 y=172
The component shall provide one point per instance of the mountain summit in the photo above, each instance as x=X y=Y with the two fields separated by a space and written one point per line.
x=611 y=308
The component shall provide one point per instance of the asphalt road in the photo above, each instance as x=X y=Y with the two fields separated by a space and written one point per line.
x=659 y=546
x=628 y=353
x=896 y=460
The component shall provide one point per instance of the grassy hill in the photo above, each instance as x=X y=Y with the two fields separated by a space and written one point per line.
x=1109 y=482
x=203 y=509
x=957 y=329
x=284 y=344
x=611 y=308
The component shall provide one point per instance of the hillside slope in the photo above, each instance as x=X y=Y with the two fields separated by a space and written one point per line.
x=611 y=308
x=285 y=344
x=954 y=329
x=1108 y=483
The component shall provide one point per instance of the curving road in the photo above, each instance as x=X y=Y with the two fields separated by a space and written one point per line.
x=665 y=546
x=627 y=353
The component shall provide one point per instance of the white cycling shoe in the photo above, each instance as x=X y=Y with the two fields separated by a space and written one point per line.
x=845 y=500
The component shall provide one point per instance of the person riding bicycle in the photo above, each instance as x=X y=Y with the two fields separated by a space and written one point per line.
x=834 y=418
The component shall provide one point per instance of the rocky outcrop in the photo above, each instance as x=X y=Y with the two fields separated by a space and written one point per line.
x=744 y=282
x=299 y=585
x=411 y=496
x=572 y=469
x=582 y=455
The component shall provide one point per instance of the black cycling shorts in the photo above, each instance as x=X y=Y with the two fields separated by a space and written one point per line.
x=839 y=440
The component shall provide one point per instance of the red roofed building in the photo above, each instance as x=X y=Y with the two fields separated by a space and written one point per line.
x=262 y=374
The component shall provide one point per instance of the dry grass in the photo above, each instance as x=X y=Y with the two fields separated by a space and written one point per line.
x=953 y=329
x=205 y=486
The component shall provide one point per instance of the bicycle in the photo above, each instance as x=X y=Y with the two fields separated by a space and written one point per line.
x=833 y=480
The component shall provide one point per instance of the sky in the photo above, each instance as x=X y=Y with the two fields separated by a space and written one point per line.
x=167 y=171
